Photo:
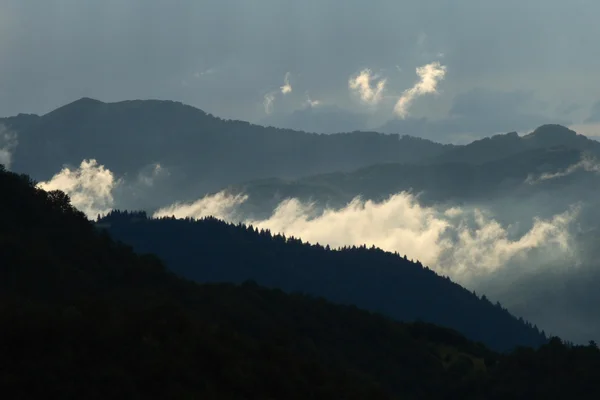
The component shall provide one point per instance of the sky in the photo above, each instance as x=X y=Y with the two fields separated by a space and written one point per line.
x=507 y=66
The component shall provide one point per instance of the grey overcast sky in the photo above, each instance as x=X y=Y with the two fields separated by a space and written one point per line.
x=511 y=64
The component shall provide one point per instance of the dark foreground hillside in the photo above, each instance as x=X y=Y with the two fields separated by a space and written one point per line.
x=210 y=250
x=84 y=317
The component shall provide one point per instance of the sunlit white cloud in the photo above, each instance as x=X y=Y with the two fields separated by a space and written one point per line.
x=221 y=206
x=429 y=77
x=8 y=144
x=459 y=242
x=90 y=187
x=287 y=87
x=367 y=86
x=269 y=98
x=489 y=246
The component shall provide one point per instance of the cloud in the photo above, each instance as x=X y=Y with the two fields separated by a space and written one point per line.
x=248 y=53
x=361 y=84
x=594 y=116
x=460 y=242
x=287 y=87
x=90 y=187
x=269 y=98
x=268 y=101
x=314 y=117
x=310 y=102
x=489 y=247
x=94 y=189
x=476 y=113
x=429 y=77
x=538 y=256
x=483 y=101
x=151 y=187
x=220 y=205
x=147 y=176
x=587 y=163
x=567 y=108
x=8 y=143
x=199 y=74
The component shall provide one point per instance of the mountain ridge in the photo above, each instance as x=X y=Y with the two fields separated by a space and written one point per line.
x=440 y=182
x=202 y=153
x=370 y=278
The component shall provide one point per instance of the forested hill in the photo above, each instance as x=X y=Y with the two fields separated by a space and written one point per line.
x=210 y=250
x=84 y=317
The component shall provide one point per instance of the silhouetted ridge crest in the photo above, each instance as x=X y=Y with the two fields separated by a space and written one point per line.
x=189 y=143
x=505 y=145
x=553 y=131
x=210 y=250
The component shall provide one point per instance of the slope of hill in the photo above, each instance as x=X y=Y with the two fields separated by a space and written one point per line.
x=212 y=251
x=437 y=182
x=88 y=318
x=506 y=145
x=197 y=145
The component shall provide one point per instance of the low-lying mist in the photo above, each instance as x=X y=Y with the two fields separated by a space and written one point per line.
x=465 y=243
x=534 y=253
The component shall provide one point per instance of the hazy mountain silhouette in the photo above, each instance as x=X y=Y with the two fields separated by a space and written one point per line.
x=505 y=145
x=203 y=153
x=435 y=182
x=200 y=149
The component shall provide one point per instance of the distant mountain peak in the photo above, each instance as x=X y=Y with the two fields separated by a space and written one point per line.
x=83 y=103
x=88 y=100
x=552 y=131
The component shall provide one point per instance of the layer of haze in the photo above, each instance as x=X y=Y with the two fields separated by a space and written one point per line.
x=224 y=56
x=540 y=262
x=534 y=257
x=462 y=243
